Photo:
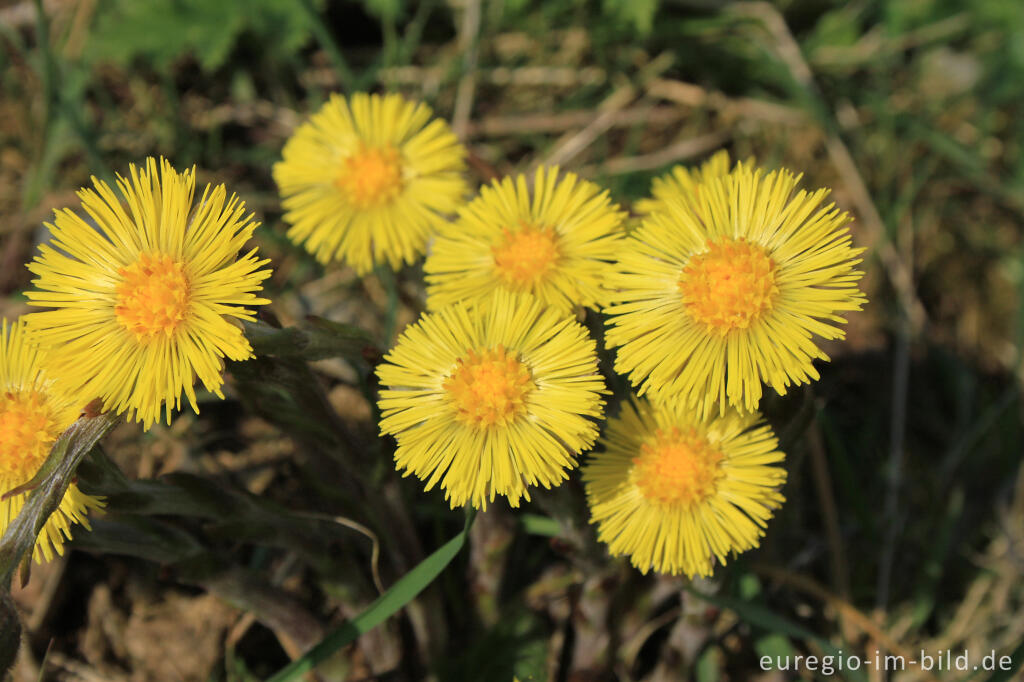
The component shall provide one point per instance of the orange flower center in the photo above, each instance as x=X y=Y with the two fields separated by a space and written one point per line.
x=153 y=296
x=489 y=388
x=27 y=431
x=371 y=177
x=525 y=255
x=729 y=286
x=680 y=467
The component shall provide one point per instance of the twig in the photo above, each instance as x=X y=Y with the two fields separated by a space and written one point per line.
x=747 y=107
x=525 y=76
x=84 y=11
x=851 y=612
x=374 y=550
x=43 y=601
x=874 y=45
x=246 y=620
x=297 y=629
x=571 y=145
x=542 y=122
x=204 y=115
x=630 y=649
x=82 y=672
x=359 y=528
x=24 y=13
x=829 y=513
x=871 y=220
x=897 y=436
x=679 y=151
x=874 y=226
x=469 y=35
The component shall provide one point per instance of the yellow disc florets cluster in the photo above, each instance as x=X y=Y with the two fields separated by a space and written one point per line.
x=729 y=286
x=679 y=467
x=371 y=177
x=489 y=388
x=525 y=255
x=153 y=296
x=27 y=431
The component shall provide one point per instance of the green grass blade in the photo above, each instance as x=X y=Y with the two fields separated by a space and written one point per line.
x=400 y=594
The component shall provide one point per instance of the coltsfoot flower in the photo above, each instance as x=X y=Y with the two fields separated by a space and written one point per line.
x=150 y=300
x=33 y=414
x=368 y=180
x=490 y=398
x=674 y=492
x=555 y=240
x=712 y=297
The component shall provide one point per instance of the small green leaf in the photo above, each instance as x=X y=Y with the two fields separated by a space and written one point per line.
x=536 y=524
x=639 y=13
x=750 y=586
x=774 y=645
x=709 y=665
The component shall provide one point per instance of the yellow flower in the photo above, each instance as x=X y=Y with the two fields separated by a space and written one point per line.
x=370 y=180
x=675 y=492
x=490 y=398
x=681 y=183
x=144 y=305
x=714 y=297
x=554 y=240
x=33 y=414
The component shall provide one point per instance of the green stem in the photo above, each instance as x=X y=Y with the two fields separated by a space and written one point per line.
x=389 y=280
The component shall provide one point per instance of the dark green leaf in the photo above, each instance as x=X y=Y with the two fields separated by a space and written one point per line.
x=400 y=594
x=314 y=339
x=141 y=537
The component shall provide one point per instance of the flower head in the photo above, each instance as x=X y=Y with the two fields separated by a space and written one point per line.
x=554 y=240
x=147 y=302
x=369 y=180
x=714 y=296
x=33 y=414
x=674 y=492
x=489 y=398
x=681 y=183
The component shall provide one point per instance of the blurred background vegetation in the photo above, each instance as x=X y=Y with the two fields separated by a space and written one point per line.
x=243 y=535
